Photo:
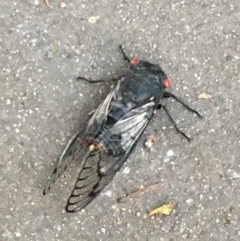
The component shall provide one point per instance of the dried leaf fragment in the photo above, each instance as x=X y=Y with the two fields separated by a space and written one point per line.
x=165 y=209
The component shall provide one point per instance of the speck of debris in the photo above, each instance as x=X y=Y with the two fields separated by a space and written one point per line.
x=166 y=159
x=36 y=3
x=189 y=201
x=138 y=214
x=93 y=19
x=148 y=144
x=126 y=170
x=204 y=96
x=18 y=234
x=62 y=5
x=170 y=153
x=150 y=139
x=235 y=175
x=59 y=228
x=108 y=193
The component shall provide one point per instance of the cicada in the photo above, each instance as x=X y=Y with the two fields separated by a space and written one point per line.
x=114 y=129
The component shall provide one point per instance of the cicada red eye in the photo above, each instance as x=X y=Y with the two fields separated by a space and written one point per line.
x=167 y=83
x=134 y=61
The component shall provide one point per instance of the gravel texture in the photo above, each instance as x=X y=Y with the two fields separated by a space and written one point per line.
x=43 y=49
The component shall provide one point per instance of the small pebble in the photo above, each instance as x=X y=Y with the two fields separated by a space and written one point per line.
x=62 y=5
x=170 y=153
x=93 y=19
x=108 y=193
x=18 y=234
x=204 y=96
x=8 y=102
x=189 y=201
x=36 y=3
x=126 y=170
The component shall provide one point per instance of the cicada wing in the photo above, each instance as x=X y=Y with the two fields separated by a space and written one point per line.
x=100 y=115
x=76 y=147
x=65 y=159
x=100 y=167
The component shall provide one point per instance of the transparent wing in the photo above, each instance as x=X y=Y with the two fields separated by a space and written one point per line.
x=76 y=147
x=99 y=167
x=64 y=160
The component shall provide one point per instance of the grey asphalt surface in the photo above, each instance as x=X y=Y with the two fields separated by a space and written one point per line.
x=43 y=49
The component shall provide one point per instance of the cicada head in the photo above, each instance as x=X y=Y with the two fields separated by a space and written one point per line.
x=140 y=65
